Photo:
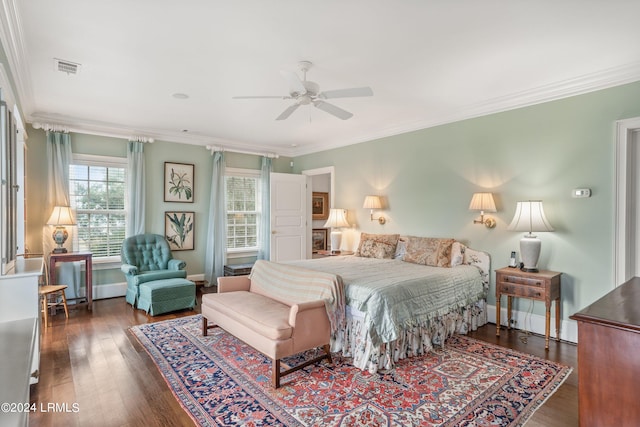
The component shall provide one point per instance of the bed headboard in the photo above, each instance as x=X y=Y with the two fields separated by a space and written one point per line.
x=480 y=259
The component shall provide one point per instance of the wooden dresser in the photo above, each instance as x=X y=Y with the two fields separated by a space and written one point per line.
x=609 y=358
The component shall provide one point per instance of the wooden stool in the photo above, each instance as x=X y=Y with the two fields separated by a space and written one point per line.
x=47 y=290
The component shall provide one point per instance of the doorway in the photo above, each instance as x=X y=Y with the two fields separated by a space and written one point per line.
x=627 y=215
x=322 y=181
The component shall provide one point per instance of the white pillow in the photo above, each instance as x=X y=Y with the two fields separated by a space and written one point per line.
x=457 y=254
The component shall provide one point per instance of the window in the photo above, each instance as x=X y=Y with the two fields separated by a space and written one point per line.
x=97 y=188
x=243 y=212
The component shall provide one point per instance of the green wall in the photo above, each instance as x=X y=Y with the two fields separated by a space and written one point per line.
x=539 y=152
x=155 y=156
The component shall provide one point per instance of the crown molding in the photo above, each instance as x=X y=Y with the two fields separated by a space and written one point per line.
x=13 y=43
x=71 y=124
x=604 y=79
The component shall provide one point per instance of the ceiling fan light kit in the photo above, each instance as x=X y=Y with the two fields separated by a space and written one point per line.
x=305 y=92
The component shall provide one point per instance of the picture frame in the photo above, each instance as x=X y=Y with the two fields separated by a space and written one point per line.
x=179 y=230
x=178 y=182
x=319 y=205
x=319 y=239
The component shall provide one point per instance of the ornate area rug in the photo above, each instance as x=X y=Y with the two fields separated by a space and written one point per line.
x=221 y=381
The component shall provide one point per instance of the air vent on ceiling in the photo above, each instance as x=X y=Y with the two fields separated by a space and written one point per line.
x=66 y=66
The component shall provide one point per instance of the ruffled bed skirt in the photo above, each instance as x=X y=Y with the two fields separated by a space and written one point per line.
x=354 y=340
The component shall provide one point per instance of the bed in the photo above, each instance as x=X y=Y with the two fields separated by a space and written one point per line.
x=397 y=307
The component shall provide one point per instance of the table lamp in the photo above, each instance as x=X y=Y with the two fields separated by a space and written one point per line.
x=336 y=219
x=61 y=216
x=530 y=217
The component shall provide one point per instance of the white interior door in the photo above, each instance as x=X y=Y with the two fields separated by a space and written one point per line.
x=290 y=216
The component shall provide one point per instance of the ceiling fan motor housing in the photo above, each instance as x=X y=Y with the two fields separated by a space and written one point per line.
x=312 y=89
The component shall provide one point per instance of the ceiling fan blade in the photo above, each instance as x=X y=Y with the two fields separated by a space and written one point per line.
x=261 y=97
x=295 y=84
x=333 y=110
x=286 y=113
x=346 y=93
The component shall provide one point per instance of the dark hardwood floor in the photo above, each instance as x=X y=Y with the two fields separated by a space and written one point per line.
x=98 y=374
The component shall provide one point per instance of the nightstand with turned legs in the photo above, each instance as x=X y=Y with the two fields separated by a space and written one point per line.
x=541 y=286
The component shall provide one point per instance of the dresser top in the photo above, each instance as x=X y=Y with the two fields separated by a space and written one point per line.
x=618 y=308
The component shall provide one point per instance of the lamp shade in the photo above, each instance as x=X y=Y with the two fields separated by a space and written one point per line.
x=482 y=202
x=372 y=202
x=336 y=219
x=530 y=217
x=61 y=215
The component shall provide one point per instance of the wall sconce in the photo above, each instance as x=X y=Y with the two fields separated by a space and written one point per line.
x=483 y=202
x=530 y=217
x=374 y=202
x=61 y=216
x=337 y=219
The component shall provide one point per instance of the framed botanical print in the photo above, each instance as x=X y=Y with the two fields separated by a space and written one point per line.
x=320 y=205
x=319 y=239
x=179 y=230
x=178 y=182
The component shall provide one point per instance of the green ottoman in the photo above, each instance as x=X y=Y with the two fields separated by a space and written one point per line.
x=162 y=296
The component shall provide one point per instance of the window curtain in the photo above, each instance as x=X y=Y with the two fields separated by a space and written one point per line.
x=264 y=239
x=216 y=249
x=59 y=155
x=135 y=189
x=58 y=160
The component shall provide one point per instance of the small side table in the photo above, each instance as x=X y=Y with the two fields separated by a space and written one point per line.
x=88 y=273
x=541 y=286
x=336 y=253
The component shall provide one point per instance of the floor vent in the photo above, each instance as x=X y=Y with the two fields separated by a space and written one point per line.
x=67 y=66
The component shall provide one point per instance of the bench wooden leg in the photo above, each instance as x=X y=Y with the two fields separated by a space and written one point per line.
x=204 y=326
x=276 y=374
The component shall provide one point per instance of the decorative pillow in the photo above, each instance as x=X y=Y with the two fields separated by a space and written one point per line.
x=377 y=245
x=457 y=254
x=401 y=249
x=429 y=251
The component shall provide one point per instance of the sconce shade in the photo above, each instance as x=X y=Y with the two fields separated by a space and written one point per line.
x=530 y=217
x=336 y=219
x=61 y=215
x=482 y=202
x=372 y=202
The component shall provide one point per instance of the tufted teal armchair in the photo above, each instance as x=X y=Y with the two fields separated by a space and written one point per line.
x=145 y=258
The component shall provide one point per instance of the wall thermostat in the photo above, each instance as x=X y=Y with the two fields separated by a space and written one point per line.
x=581 y=192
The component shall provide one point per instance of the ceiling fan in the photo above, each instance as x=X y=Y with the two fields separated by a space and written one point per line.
x=305 y=92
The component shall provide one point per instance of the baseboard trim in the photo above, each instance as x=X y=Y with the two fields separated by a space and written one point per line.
x=111 y=290
x=535 y=323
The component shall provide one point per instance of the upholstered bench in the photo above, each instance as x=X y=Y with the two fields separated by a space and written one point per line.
x=280 y=310
x=163 y=296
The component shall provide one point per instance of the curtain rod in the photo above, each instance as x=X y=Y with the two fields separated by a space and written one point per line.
x=53 y=127
x=213 y=148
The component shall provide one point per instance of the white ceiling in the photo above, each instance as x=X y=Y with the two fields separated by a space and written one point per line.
x=428 y=62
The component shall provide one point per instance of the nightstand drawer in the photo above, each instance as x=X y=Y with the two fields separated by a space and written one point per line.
x=518 y=290
x=529 y=281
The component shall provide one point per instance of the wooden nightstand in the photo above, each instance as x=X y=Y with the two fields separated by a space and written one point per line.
x=541 y=286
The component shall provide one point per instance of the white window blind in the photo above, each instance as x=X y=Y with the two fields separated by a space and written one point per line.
x=97 y=188
x=242 y=210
